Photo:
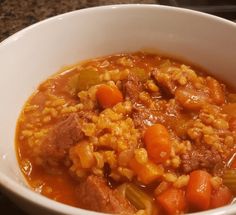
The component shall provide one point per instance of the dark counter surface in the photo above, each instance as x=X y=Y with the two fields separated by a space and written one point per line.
x=16 y=15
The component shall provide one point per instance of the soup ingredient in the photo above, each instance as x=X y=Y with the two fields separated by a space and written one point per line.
x=172 y=201
x=199 y=190
x=108 y=96
x=84 y=151
x=200 y=157
x=83 y=80
x=141 y=74
x=147 y=172
x=94 y=194
x=216 y=91
x=229 y=179
x=190 y=99
x=221 y=197
x=132 y=87
x=157 y=141
x=139 y=199
x=61 y=137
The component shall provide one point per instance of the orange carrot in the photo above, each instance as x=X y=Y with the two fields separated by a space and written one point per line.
x=191 y=99
x=172 y=201
x=147 y=172
x=199 y=190
x=157 y=141
x=108 y=96
x=221 y=197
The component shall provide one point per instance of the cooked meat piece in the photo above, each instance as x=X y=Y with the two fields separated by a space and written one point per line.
x=200 y=157
x=166 y=113
x=144 y=116
x=132 y=87
x=164 y=82
x=56 y=144
x=94 y=194
x=87 y=115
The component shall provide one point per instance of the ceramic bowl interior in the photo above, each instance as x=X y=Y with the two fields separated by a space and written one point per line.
x=31 y=55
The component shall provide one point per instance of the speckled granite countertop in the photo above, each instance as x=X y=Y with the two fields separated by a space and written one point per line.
x=18 y=14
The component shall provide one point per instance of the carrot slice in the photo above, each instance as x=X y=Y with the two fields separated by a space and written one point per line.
x=157 y=141
x=199 y=190
x=172 y=200
x=221 y=197
x=108 y=96
x=147 y=172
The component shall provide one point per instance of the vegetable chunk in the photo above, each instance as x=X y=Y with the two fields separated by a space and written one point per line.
x=108 y=96
x=199 y=190
x=157 y=141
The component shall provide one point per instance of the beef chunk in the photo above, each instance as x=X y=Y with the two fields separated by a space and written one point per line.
x=165 y=82
x=200 y=157
x=144 y=116
x=132 y=87
x=94 y=194
x=56 y=144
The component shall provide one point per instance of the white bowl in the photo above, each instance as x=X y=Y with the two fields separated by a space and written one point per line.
x=31 y=55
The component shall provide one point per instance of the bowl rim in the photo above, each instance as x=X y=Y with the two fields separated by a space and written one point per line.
x=24 y=192
x=23 y=31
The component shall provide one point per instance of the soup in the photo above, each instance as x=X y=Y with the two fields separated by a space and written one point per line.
x=132 y=133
